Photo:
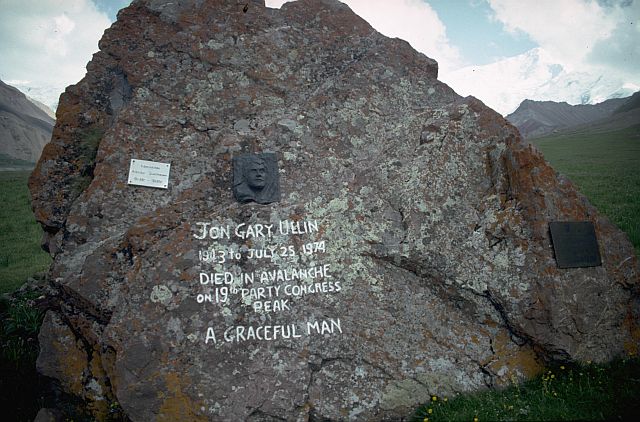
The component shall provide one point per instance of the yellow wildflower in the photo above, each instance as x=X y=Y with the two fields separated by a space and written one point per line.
x=475 y=419
x=562 y=367
x=429 y=410
x=445 y=399
x=425 y=420
x=434 y=398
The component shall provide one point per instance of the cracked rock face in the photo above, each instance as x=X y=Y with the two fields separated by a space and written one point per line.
x=408 y=254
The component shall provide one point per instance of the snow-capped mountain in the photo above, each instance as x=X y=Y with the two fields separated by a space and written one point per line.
x=48 y=95
x=534 y=75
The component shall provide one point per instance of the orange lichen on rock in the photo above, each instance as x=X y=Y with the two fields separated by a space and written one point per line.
x=511 y=362
x=177 y=406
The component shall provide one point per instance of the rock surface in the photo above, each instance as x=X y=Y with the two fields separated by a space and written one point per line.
x=24 y=127
x=421 y=216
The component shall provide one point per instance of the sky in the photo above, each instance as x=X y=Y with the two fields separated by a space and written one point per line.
x=45 y=44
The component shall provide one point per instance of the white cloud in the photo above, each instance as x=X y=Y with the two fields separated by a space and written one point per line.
x=570 y=30
x=414 y=21
x=620 y=51
x=46 y=44
x=56 y=35
x=588 y=52
x=534 y=75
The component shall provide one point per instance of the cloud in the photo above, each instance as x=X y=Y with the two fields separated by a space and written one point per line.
x=587 y=52
x=414 y=21
x=621 y=50
x=47 y=43
x=535 y=75
x=580 y=34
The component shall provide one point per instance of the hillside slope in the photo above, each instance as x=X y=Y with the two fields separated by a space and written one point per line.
x=539 y=118
x=24 y=127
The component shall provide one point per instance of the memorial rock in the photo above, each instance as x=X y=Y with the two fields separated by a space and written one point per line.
x=405 y=253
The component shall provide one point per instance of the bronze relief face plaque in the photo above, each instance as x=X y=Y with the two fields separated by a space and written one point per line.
x=256 y=178
x=575 y=244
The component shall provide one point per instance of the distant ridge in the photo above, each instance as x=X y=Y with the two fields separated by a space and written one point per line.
x=632 y=104
x=535 y=119
x=42 y=106
x=24 y=127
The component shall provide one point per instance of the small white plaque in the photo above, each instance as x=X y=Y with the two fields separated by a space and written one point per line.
x=149 y=173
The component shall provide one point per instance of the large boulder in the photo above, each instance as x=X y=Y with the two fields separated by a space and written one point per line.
x=405 y=253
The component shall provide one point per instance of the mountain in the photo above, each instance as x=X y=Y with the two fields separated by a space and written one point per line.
x=47 y=94
x=538 y=76
x=538 y=118
x=42 y=106
x=24 y=127
x=632 y=103
x=627 y=115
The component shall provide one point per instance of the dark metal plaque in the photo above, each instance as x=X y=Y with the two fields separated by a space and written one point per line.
x=256 y=178
x=575 y=244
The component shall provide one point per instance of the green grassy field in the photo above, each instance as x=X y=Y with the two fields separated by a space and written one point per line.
x=605 y=166
x=563 y=392
x=20 y=252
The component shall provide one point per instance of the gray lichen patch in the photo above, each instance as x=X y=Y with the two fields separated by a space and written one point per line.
x=161 y=294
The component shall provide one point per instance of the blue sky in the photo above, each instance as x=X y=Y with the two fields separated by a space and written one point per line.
x=111 y=7
x=496 y=50
x=480 y=38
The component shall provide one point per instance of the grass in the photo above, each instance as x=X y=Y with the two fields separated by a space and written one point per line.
x=562 y=392
x=20 y=320
x=20 y=252
x=21 y=387
x=19 y=325
x=605 y=166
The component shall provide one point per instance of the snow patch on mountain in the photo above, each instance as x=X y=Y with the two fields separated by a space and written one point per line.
x=46 y=94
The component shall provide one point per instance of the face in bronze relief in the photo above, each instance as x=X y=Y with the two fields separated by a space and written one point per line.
x=256 y=173
x=255 y=178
